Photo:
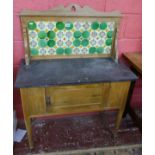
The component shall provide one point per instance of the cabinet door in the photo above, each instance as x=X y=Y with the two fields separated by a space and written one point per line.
x=77 y=98
x=86 y=98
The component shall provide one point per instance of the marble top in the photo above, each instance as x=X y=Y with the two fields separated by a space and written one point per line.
x=44 y=73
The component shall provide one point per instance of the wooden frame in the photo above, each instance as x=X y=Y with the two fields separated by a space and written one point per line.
x=72 y=12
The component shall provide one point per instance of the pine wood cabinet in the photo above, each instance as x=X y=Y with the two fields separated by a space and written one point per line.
x=74 y=99
x=71 y=64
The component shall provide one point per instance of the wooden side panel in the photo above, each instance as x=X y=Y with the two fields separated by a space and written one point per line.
x=118 y=90
x=122 y=99
x=33 y=100
x=33 y=103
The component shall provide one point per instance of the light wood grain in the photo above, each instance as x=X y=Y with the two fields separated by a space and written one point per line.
x=62 y=98
x=72 y=99
x=26 y=41
x=104 y=95
x=33 y=103
x=122 y=99
x=70 y=56
x=34 y=100
x=74 y=96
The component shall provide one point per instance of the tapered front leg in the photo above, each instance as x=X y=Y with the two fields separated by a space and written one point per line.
x=119 y=118
x=125 y=98
x=29 y=131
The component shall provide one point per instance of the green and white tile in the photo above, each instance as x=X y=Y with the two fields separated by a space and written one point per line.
x=70 y=38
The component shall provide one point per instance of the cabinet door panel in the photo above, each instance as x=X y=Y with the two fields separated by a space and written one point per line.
x=67 y=99
x=75 y=95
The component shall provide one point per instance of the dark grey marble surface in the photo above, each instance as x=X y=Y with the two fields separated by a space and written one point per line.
x=71 y=71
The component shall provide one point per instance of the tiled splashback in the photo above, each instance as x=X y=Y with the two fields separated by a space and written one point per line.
x=70 y=38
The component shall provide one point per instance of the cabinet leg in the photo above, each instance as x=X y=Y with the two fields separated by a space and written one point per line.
x=125 y=105
x=29 y=131
x=119 y=118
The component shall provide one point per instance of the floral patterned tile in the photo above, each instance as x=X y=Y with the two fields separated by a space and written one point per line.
x=70 y=38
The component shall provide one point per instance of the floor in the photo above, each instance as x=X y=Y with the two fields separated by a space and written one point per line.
x=121 y=150
x=79 y=132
